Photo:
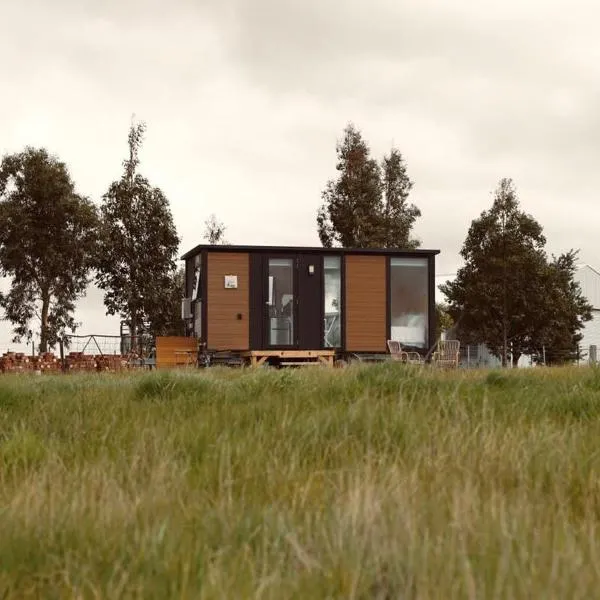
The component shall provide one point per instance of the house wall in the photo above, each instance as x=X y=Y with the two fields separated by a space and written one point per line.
x=233 y=319
x=589 y=280
x=228 y=311
x=365 y=303
x=591 y=336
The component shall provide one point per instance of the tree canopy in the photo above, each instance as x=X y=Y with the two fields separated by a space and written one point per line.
x=507 y=294
x=366 y=206
x=443 y=320
x=47 y=239
x=138 y=246
x=169 y=321
x=563 y=316
x=398 y=215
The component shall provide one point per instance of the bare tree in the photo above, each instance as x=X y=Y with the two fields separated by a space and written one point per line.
x=215 y=231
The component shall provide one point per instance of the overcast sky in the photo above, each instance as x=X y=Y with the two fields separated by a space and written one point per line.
x=244 y=101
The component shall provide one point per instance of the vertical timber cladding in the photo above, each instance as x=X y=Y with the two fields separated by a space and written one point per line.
x=366 y=303
x=227 y=289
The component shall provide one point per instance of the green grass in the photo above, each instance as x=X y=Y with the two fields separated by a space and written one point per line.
x=365 y=482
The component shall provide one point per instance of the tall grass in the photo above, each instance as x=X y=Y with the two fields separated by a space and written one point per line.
x=366 y=482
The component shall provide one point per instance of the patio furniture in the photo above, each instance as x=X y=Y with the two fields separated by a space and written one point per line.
x=398 y=354
x=447 y=354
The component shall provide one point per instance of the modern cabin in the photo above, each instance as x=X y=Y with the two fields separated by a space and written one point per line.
x=348 y=301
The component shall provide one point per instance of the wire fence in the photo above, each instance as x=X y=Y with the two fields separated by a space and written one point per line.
x=474 y=356
x=81 y=353
x=95 y=345
x=91 y=344
x=86 y=344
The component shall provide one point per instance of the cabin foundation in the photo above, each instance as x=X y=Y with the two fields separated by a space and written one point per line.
x=286 y=358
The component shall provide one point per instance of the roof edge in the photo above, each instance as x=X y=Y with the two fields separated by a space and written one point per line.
x=583 y=265
x=314 y=249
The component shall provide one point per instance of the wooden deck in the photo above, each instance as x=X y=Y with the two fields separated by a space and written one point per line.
x=290 y=357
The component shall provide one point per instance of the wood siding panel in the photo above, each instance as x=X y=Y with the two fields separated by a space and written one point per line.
x=366 y=303
x=170 y=351
x=225 y=330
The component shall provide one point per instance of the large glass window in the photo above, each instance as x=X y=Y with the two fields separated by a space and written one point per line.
x=197 y=267
x=197 y=296
x=409 y=301
x=281 y=301
x=332 y=337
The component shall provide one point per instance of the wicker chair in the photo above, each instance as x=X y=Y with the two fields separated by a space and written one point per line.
x=447 y=354
x=400 y=355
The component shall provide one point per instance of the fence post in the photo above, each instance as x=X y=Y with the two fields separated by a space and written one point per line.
x=61 y=345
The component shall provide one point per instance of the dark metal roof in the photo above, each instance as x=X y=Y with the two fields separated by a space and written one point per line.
x=308 y=250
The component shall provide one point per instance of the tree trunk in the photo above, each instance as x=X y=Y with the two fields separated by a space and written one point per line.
x=504 y=296
x=516 y=357
x=44 y=321
x=133 y=333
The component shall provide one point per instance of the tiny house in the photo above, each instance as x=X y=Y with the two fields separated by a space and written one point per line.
x=286 y=300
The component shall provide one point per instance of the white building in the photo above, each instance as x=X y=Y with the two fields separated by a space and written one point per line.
x=589 y=280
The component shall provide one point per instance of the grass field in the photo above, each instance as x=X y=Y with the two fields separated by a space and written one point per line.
x=366 y=482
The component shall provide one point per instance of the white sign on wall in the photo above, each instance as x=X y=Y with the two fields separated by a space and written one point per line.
x=231 y=282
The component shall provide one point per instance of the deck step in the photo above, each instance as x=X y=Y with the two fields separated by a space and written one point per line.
x=300 y=363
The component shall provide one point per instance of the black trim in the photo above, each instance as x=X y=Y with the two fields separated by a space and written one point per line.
x=432 y=315
x=309 y=250
x=310 y=302
x=256 y=301
x=189 y=277
x=388 y=299
x=296 y=284
x=204 y=295
x=343 y=302
x=322 y=307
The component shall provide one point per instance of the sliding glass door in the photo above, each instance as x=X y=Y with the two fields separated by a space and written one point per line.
x=302 y=301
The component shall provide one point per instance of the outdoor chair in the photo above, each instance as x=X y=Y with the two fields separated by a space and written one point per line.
x=400 y=355
x=447 y=354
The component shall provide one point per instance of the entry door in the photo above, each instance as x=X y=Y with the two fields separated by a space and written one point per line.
x=281 y=314
x=293 y=307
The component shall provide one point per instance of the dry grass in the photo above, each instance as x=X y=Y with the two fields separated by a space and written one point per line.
x=372 y=482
